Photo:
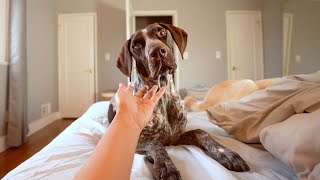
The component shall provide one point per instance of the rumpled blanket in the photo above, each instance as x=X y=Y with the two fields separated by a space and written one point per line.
x=285 y=118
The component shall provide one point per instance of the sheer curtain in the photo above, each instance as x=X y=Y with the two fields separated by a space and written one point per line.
x=17 y=129
x=4 y=9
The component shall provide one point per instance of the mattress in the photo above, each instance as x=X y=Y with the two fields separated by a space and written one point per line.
x=64 y=156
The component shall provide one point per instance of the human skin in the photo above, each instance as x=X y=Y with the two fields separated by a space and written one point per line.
x=113 y=156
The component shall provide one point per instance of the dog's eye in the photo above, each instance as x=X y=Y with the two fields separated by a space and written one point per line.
x=162 y=33
x=137 y=45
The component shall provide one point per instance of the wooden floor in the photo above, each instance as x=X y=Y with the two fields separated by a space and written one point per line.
x=12 y=157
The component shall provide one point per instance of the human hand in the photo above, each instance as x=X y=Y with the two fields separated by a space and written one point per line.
x=138 y=107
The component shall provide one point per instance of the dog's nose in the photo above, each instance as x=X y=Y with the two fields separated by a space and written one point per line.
x=163 y=52
x=158 y=52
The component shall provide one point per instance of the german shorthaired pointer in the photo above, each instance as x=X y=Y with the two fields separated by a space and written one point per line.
x=152 y=48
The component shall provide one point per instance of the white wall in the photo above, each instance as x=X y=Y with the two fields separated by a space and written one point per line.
x=272 y=37
x=205 y=23
x=111 y=21
x=42 y=47
x=305 y=36
x=42 y=56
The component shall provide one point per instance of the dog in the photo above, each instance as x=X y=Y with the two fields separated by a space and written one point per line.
x=226 y=91
x=152 y=49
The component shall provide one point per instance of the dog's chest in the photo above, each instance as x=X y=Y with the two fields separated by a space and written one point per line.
x=168 y=122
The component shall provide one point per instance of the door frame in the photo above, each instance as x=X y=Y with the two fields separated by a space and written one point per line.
x=174 y=15
x=95 y=70
x=260 y=61
x=287 y=48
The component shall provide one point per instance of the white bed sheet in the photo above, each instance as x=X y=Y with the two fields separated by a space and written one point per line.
x=63 y=157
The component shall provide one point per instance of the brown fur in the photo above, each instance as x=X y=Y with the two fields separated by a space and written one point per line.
x=152 y=49
x=225 y=91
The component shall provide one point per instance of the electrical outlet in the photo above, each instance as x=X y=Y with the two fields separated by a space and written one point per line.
x=218 y=54
x=45 y=109
x=107 y=56
x=48 y=108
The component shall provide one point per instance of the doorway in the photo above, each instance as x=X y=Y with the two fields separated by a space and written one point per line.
x=77 y=61
x=143 y=21
x=287 y=34
x=140 y=19
x=244 y=45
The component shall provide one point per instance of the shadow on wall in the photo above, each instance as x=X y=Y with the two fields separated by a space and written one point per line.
x=111 y=22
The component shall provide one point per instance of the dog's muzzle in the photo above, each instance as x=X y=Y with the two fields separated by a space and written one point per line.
x=161 y=61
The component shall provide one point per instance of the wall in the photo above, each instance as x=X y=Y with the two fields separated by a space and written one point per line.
x=42 y=56
x=206 y=28
x=42 y=47
x=3 y=98
x=111 y=28
x=305 y=36
x=272 y=37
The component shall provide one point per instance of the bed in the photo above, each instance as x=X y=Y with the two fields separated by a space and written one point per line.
x=63 y=157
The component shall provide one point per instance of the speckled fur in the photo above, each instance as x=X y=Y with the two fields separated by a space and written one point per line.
x=167 y=126
x=169 y=116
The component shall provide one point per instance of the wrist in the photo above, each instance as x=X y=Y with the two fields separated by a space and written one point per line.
x=126 y=120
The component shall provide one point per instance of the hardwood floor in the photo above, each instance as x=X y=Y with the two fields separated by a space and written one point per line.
x=12 y=157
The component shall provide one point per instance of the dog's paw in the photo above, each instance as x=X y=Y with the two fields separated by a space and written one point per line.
x=166 y=170
x=230 y=160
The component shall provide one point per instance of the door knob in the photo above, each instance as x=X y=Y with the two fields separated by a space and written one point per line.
x=90 y=71
x=234 y=68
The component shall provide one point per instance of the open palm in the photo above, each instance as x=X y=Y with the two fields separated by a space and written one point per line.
x=139 y=106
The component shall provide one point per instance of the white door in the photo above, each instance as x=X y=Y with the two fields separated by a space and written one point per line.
x=287 y=32
x=76 y=46
x=244 y=45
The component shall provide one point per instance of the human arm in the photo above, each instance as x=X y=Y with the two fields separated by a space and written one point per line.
x=113 y=156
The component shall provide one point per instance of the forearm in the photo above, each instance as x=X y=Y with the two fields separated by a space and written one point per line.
x=113 y=156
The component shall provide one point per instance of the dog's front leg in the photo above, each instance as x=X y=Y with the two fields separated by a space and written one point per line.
x=229 y=159
x=156 y=154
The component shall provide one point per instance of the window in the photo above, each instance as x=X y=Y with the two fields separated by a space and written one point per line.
x=4 y=15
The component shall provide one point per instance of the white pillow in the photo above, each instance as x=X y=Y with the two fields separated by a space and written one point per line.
x=296 y=142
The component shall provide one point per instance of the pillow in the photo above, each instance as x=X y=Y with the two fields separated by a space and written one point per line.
x=296 y=142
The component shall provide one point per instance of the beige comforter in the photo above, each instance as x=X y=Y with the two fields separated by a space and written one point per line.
x=285 y=118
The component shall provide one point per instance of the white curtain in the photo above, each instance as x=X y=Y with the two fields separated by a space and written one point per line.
x=17 y=103
x=4 y=9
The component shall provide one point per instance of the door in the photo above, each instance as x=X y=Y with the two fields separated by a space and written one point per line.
x=141 y=22
x=287 y=32
x=244 y=45
x=139 y=19
x=76 y=49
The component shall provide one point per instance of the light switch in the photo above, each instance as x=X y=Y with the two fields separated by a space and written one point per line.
x=107 y=56
x=218 y=54
x=298 y=58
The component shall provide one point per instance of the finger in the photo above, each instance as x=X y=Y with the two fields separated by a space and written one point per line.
x=142 y=91
x=130 y=89
x=151 y=92
x=159 y=94
x=122 y=87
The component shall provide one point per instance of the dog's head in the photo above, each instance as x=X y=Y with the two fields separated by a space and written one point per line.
x=152 y=48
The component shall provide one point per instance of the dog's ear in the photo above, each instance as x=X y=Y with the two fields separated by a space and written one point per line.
x=179 y=36
x=124 y=62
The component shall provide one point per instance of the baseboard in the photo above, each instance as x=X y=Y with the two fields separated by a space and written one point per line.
x=3 y=145
x=36 y=125
x=33 y=127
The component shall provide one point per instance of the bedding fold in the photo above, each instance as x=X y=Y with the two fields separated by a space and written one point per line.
x=284 y=118
x=247 y=117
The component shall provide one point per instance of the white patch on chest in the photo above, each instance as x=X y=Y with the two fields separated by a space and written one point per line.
x=221 y=150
